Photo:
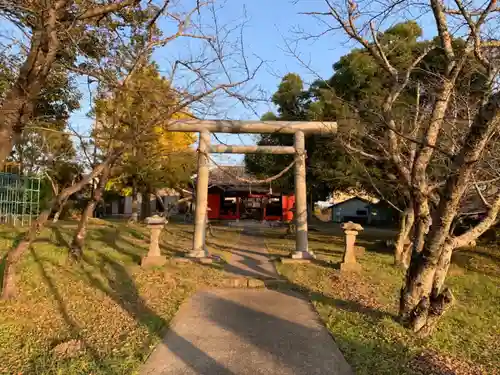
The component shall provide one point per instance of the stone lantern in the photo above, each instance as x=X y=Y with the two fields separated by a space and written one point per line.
x=349 y=260
x=154 y=257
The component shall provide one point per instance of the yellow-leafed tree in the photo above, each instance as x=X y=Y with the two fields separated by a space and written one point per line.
x=155 y=158
x=134 y=119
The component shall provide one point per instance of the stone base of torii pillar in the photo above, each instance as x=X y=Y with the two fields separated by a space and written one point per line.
x=201 y=254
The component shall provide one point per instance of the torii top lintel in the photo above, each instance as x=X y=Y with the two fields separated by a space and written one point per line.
x=232 y=126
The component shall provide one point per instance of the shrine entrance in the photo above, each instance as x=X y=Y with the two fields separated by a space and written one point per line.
x=298 y=129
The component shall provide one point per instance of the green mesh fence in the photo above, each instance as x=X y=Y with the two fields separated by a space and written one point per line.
x=19 y=198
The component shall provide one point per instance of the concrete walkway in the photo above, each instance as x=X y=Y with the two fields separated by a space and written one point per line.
x=246 y=331
x=249 y=256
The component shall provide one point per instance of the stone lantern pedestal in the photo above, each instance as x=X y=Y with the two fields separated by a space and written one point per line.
x=349 y=259
x=154 y=257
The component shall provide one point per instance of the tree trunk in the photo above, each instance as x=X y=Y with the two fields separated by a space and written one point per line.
x=134 y=218
x=20 y=100
x=162 y=204
x=56 y=216
x=422 y=222
x=59 y=211
x=423 y=317
x=78 y=243
x=424 y=298
x=401 y=257
x=10 y=115
x=145 y=204
x=421 y=304
x=442 y=269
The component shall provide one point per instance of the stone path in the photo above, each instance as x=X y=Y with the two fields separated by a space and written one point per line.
x=250 y=258
x=246 y=332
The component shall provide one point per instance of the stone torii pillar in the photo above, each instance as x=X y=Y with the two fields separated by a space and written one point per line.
x=200 y=214
x=301 y=240
x=297 y=128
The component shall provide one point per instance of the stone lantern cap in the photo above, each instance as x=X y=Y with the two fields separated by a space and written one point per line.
x=155 y=220
x=352 y=226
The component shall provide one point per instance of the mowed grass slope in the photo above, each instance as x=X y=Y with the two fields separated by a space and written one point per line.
x=360 y=310
x=106 y=311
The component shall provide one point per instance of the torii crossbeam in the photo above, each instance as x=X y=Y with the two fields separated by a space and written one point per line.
x=298 y=128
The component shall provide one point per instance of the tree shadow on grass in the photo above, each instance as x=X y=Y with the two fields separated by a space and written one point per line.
x=489 y=254
x=12 y=234
x=59 y=237
x=134 y=251
x=342 y=304
x=476 y=261
x=351 y=306
x=376 y=246
x=121 y=288
x=110 y=236
x=75 y=329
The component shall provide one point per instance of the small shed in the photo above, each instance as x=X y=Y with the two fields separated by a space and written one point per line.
x=354 y=209
x=362 y=211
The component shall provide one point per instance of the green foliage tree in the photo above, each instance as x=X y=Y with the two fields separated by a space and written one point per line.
x=44 y=141
x=328 y=165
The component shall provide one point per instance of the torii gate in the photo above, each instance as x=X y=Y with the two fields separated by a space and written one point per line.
x=298 y=129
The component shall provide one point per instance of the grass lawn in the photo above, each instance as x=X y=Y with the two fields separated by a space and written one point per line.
x=103 y=315
x=359 y=310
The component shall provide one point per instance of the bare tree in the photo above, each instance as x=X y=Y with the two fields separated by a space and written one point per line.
x=81 y=230
x=442 y=133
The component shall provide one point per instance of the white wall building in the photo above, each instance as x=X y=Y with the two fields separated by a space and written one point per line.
x=362 y=211
x=354 y=209
x=123 y=205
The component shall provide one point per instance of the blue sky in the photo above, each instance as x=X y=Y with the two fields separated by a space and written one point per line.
x=269 y=24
